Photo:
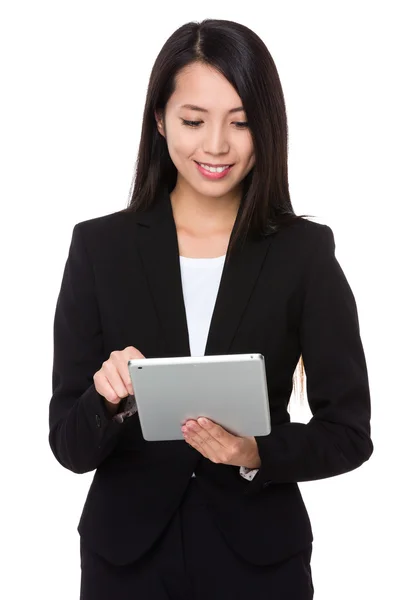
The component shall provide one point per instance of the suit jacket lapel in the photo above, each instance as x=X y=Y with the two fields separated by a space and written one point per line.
x=238 y=279
x=158 y=246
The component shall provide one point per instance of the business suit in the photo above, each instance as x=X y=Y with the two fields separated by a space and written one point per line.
x=281 y=295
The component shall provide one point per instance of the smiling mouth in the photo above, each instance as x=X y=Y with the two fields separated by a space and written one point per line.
x=214 y=166
x=211 y=165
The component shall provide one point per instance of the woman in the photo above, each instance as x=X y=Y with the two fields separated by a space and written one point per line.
x=208 y=258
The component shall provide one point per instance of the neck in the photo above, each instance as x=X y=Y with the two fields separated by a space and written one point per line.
x=198 y=212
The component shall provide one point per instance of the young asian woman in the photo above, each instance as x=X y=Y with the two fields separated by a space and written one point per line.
x=208 y=258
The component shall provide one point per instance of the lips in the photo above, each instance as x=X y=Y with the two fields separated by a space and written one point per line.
x=213 y=175
x=215 y=166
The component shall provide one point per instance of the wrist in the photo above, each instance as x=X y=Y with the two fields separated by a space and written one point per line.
x=254 y=464
x=253 y=460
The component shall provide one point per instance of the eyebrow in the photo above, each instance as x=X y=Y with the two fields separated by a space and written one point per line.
x=199 y=109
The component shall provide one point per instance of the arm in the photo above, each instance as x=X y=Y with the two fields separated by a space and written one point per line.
x=337 y=438
x=82 y=429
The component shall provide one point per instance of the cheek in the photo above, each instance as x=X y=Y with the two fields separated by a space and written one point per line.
x=250 y=149
x=180 y=147
x=249 y=158
x=245 y=149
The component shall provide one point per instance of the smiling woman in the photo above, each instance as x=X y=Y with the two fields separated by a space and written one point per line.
x=207 y=105
x=213 y=128
x=218 y=147
x=208 y=258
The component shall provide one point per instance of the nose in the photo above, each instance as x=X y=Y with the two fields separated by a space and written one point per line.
x=215 y=141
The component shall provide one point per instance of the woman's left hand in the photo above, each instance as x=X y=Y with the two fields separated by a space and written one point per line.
x=219 y=446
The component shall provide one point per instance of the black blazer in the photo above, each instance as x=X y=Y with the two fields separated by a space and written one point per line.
x=283 y=295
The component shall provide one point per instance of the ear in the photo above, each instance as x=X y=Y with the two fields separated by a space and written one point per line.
x=160 y=123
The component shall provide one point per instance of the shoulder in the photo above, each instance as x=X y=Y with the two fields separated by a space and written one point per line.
x=105 y=236
x=306 y=237
x=104 y=224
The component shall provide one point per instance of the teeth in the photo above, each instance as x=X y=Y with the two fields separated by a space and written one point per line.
x=214 y=169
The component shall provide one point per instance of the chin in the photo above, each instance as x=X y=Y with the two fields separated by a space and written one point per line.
x=215 y=191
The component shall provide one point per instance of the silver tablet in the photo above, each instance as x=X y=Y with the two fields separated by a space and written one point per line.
x=231 y=390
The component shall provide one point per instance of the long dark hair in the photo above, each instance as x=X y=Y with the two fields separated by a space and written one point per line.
x=244 y=60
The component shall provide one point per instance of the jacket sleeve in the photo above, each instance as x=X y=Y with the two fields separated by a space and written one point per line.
x=82 y=432
x=337 y=438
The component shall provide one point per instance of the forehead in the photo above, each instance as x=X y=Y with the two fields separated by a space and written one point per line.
x=205 y=86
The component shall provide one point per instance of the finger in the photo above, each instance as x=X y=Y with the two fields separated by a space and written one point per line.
x=133 y=352
x=129 y=353
x=110 y=371
x=212 y=432
x=105 y=389
x=125 y=376
x=216 y=431
x=203 y=438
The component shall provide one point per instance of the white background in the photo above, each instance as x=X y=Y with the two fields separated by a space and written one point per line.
x=74 y=77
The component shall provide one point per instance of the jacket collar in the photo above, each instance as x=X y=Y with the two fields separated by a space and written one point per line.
x=157 y=244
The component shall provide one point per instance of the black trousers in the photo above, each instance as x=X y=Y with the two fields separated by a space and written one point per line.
x=191 y=561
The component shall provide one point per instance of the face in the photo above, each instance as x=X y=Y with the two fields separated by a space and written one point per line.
x=209 y=132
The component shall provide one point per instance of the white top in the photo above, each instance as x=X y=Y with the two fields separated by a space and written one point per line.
x=200 y=279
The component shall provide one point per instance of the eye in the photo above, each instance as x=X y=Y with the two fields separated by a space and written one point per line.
x=191 y=123
x=239 y=124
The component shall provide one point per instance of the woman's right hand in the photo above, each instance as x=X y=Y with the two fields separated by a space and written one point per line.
x=112 y=380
